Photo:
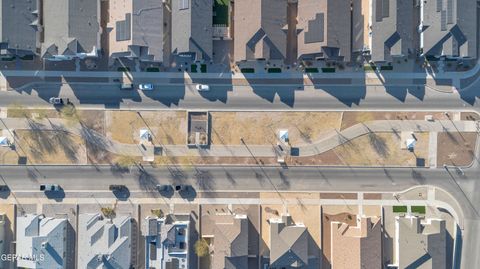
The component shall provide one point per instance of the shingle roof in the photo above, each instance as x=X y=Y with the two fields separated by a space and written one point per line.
x=260 y=29
x=450 y=29
x=71 y=26
x=192 y=28
x=38 y=235
x=230 y=233
x=356 y=246
x=19 y=26
x=393 y=29
x=421 y=243
x=288 y=243
x=104 y=243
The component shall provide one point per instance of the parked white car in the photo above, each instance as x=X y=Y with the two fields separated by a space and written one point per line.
x=146 y=87
x=202 y=87
x=55 y=100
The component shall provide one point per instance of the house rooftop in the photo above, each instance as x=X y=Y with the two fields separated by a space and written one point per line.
x=192 y=31
x=394 y=31
x=324 y=28
x=105 y=243
x=260 y=29
x=449 y=28
x=421 y=243
x=230 y=239
x=39 y=236
x=166 y=241
x=70 y=27
x=288 y=243
x=19 y=27
x=357 y=246
x=137 y=29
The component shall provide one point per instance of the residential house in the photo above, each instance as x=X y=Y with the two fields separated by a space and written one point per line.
x=104 y=243
x=192 y=32
x=288 y=244
x=449 y=28
x=71 y=29
x=136 y=29
x=41 y=242
x=229 y=236
x=356 y=246
x=166 y=242
x=420 y=243
x=394 y=29
x=324 y=29
x=260 y=30
x=19 y=27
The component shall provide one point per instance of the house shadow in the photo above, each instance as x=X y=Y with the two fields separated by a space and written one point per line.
x=111 y=97
x=284 y=88
x=216 y=92
x=348 y=91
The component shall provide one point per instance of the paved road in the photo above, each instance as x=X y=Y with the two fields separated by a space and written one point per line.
x=253 y=97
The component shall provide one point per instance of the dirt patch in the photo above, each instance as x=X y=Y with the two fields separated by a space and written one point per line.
x=260 y=128
x=8 y=156
x=18 y=111
x=456 y=148
x=372 y=196
x=94 y=120
x=351 y=118
x=337 y=195
x=378 y=149
x=166 y=127
x=50 y=147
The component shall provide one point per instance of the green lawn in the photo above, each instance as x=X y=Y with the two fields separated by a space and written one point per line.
x=247 y=70
x=386 y=68
x=400 y=209
x=203 y=68
x=193 y=68
x=311 y=70
x=123 y=69
x=153 y=69
x=328 y=69
x=220 y=10
x=418 y=209
x=274 y=70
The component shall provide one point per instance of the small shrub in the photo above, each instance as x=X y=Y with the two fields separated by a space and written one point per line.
x=201 y=248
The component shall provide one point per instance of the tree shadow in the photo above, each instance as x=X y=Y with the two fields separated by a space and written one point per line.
x=204 y=179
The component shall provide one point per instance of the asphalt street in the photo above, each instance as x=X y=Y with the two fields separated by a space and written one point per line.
x=253 y=97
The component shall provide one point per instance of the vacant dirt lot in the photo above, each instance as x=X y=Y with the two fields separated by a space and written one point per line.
x=50 y=147
x=456 y=148
x=167 y=127
x=382 y=149
x=260 y=128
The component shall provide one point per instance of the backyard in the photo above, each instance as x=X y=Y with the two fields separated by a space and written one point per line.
x=221 y=12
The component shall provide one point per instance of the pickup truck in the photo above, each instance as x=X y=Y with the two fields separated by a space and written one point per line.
x=49 y=187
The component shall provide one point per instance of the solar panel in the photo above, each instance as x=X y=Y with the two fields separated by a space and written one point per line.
x=184 y=4
x=378 y=10
x=449 y=11
x=443 y=20
x=439 y=5
x=386 y=8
